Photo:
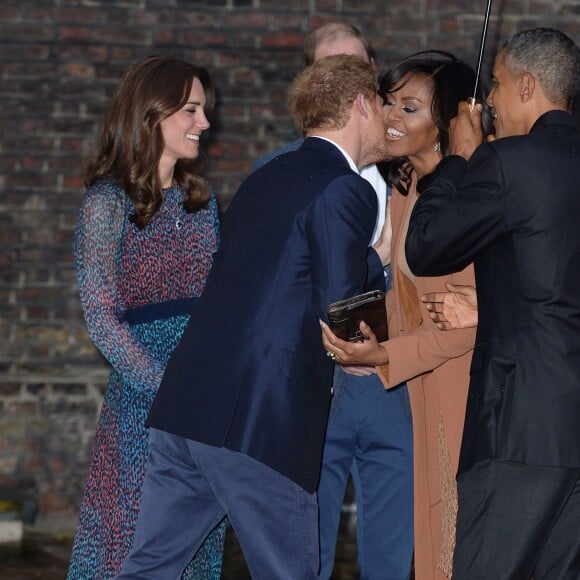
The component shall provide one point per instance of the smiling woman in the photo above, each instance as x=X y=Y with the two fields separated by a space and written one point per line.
x=181 y=132
x=421 y=95
x=409 y=124
x=144 y=242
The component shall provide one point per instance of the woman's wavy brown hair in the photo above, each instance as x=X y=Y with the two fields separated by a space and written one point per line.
x=130 y=143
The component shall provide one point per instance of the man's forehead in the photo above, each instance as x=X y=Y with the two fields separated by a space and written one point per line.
x=341 y=45
x=499 y=61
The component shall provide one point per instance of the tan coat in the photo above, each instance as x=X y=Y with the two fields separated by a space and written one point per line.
x=435 y=365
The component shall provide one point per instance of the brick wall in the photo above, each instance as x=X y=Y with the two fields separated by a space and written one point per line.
x=59 y=62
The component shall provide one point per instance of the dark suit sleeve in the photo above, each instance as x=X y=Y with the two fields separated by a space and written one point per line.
x=339 y=228
x=460 y=212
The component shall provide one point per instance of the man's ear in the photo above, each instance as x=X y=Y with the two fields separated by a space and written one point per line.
x=362 y=105
x=527 y=87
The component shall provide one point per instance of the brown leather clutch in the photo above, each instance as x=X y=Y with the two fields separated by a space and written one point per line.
x=345 y=316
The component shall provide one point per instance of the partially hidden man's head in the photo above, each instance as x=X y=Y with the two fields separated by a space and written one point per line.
x=322 y=95
x=336 y=38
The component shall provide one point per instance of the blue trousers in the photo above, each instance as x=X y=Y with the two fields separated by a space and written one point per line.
x=369 y=435
x=190 y=487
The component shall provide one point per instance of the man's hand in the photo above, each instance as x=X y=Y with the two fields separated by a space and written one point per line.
x=368 y=352
x=456 y=308
x=465 y=134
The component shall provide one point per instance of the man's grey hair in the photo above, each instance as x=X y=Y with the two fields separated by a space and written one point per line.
x=551 y=57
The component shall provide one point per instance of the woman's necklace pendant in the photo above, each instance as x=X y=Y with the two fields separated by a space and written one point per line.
x=178 y=224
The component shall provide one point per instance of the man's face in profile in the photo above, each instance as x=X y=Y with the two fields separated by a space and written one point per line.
x=505 y=100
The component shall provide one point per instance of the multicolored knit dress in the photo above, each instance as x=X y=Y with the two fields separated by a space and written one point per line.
x=137 y=287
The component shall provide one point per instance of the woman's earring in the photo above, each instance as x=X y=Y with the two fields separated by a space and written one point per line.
x=437 y=147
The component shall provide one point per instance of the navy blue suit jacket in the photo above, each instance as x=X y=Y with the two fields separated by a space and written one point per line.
x=250 y=372
x=514 y=210
x=292 y=146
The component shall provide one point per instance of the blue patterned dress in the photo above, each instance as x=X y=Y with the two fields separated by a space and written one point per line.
x=137 y=287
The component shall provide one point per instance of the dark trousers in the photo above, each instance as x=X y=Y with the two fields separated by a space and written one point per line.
x=517 y=521
x=369 y=436
x=190 y=487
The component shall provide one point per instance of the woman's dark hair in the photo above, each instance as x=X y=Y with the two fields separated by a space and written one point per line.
x=453 y=82
x=131 y=142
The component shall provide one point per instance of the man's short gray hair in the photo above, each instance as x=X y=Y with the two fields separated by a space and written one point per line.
x=551 y=57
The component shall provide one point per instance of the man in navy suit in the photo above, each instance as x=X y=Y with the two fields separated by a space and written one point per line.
x=238 y=423
x=512 y=207
x=369 y=433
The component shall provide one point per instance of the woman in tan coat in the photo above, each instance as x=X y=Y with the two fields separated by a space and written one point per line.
x=421 y=95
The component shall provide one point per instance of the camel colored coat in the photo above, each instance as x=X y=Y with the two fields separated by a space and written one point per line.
x=435 y=364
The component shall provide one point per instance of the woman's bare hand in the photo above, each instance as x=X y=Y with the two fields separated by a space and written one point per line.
x=368 y=352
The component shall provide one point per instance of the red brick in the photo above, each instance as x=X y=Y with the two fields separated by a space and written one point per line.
x=74 y=33
x=285 y=39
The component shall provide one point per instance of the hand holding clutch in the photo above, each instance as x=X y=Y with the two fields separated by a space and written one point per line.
x=345 y=316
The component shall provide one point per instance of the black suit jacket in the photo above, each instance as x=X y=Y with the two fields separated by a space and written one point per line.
x=514 y=210
x=250 y=372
